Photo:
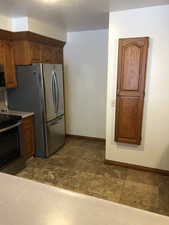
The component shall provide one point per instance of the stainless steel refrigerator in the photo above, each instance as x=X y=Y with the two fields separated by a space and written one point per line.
x=40 y=90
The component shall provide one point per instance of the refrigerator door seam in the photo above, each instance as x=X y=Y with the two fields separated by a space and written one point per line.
x=44 y=107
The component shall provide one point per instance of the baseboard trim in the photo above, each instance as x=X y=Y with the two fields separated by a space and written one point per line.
x=137 y=167
x=86 y=137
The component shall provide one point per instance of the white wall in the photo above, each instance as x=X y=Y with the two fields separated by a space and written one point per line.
x=5 y=23
x=152 y=22
x=45 y=29
x=33 y=25
x=85 y=82
x=20 y=24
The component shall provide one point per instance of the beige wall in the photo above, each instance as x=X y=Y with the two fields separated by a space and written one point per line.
x=5 y=23
x=86 y=76
x=154 y=149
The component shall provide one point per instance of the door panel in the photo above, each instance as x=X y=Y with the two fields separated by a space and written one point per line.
x=9 y=65
x=132 y=61
x=55 y=135
x=48 y=70
x=35 y=51
x=28 y=137
x=131 y=68
x=59 y=80
x=127 y=119
x=46 y=53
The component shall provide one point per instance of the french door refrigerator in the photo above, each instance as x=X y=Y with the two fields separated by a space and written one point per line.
x=40 y=90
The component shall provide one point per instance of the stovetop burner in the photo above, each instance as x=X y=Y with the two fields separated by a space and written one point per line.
x=8 y=120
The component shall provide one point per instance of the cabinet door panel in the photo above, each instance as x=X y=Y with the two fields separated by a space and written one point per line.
x=60 y=55
x=57 y=55
x=130 y=89
x=9 y=65
x=46 y=54
x=28 y=137
x=131 y=68
x=1 y=53
x=35 y=49
x=128 y=117
x=22 y=52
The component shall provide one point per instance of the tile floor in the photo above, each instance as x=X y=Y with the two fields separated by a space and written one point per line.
x=79 y=166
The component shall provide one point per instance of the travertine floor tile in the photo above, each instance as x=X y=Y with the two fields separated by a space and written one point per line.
x=144 y=196
x=142 y=177
x=79 y=166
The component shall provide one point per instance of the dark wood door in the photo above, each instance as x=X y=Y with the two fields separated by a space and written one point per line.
x=132 y=60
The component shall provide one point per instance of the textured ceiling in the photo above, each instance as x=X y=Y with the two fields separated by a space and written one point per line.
x=73 y=15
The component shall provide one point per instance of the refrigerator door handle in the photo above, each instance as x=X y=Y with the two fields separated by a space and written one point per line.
x=56 y=92
x=53 y=92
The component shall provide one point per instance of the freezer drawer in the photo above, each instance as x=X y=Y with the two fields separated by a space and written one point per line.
x=55 y=134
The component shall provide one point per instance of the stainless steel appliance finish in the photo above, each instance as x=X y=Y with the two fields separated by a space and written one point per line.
x=40 y=90
x=55 y=128
x=53 y=84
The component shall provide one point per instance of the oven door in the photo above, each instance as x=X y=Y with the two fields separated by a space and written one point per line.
x=2 y=76
x=9 y=144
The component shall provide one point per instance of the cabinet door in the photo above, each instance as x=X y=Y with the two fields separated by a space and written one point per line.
x=9 y=65
x=22 y=52
x=56 y=55
x=60 y=55
x=35 y=51
x=132 y=62
x=46 y=54
x=1 y=53
x=28 y=137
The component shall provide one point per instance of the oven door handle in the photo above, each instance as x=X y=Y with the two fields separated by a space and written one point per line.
x=10 y=127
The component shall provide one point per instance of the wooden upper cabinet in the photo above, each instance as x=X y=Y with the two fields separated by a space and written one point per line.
x=22 y=52
x=54 y=56
x=132 y=60
x=25 y=48
x=28 y=52
x=7 y=59
x=60 y=55
x=46 y=53
x=57 y=55
x=35 y=52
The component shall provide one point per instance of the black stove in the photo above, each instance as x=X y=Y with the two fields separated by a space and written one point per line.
x=11 y=154
x=8 y=120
